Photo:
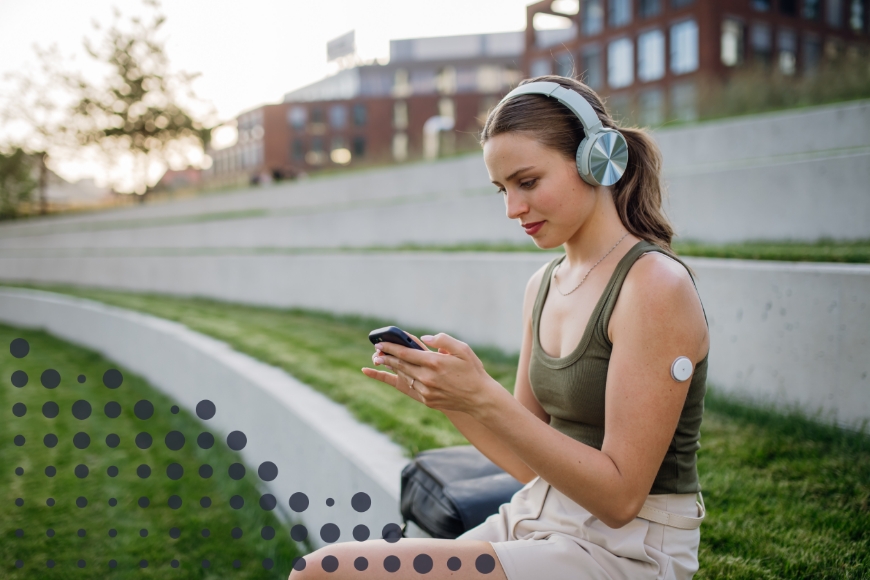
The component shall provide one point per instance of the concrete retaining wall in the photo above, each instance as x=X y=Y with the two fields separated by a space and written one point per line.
x=790 y=333
x=318 y=447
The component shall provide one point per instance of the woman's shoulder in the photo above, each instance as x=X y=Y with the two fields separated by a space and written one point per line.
x=533 y=286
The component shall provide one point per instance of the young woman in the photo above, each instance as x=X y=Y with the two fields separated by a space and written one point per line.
x=604 y=422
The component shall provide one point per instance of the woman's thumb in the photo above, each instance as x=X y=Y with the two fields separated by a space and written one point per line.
x=443 y=342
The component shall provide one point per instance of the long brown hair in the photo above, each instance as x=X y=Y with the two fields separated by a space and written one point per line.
x=638 y=195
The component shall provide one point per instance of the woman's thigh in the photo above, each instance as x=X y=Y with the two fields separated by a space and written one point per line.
x=407 y=558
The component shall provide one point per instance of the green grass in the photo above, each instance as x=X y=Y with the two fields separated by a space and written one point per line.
x=34 y=548
x=788 y=496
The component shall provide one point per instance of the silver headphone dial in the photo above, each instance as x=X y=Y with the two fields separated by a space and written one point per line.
x=608 y=157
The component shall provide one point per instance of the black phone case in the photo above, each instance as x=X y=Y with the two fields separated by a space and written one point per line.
x=392 y=334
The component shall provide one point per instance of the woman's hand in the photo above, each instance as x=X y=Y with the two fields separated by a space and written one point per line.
x=452 y=379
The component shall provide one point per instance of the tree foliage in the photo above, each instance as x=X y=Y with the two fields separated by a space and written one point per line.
x=16 y=182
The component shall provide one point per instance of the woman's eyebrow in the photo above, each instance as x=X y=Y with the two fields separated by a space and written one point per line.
x=517 y=172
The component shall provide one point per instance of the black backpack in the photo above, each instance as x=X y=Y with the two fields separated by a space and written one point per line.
x=451 y=490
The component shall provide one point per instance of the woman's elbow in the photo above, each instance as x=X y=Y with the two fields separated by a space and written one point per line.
x=622 y=514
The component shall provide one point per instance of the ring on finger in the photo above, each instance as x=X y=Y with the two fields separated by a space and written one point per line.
x=411 y=384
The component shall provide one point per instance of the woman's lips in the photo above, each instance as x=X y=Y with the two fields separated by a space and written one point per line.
x=533 y=227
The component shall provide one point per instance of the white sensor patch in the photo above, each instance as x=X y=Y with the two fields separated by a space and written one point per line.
x=681 y=369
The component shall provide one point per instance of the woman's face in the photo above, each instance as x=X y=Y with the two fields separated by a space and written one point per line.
x=541 y=189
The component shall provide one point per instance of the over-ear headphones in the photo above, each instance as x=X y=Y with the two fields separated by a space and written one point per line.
x=603 y=154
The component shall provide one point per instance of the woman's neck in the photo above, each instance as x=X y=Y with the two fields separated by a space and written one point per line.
x=597 y=235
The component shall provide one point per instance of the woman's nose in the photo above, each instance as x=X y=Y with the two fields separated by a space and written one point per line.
x=515 y=205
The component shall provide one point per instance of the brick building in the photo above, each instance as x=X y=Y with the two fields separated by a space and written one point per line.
x=428 y=101
x=650 y=57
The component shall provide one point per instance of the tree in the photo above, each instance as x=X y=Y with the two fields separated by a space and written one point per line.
x=16 y=182
x=140 y=115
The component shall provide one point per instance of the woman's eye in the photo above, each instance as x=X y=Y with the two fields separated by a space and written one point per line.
x=500 y=190
x=528 y=184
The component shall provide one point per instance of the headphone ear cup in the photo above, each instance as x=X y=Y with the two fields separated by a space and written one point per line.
x=602 y=159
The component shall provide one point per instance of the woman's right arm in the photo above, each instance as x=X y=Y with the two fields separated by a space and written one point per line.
x=480 y=436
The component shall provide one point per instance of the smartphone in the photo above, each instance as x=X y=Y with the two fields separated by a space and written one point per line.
x=393 y=334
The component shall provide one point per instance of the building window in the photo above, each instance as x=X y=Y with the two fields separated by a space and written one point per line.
x=445 y=81
x=317 y=116
x=812 y=53
x=593 y=17
x=565 y=64
x=761 y=43
x=541 y=67
x=651 y=55
x=338 y=116
x=649 y=8
x=681 y=3
x=812 y=9
x=731 y=47
x=857 y=15
x=652 y=107
x=787 y=45
x=446 y=108
x=760 y=5
x=591 y=67
x=684 y=102
x=297 y=117
x=620 y=12
x=684 y=47
x=489 y=79
x=619 y=107
x=400 y=115
x=359 y=114
x=788 y=7
x=359 y=146
x=316 y=155
x=401 y=83
x=620 y=63
x=298 y=150
x=834 y=13
x=400 y=146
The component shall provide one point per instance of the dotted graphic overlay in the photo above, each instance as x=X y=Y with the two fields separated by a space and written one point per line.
x=106 y=475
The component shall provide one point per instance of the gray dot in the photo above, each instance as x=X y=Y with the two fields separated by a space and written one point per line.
x=236 y=471
x=329 y=564
x=205 y=440
x=392 y=564
x=112 y=502
x=143 y=471
x=81 y=409
x=236 y=533
x=205 y=410
x=19 y=409
x=19 y=471
x=112 y=410
x=361 y=564
x=267 y=533
x=19 y=440
x=298 y=533
x=205 y=471
x=81 y=379
x=50 y=410
x=299 y=502
x=174 y=409
x=113 y=563
x=50 y=440
x=268 y=563
x=49 y=502
x=50 y=379
x=81 y=440
x=19 y=533
x=205 y=533
x=206 y=563
x=49 y=563
x=237 y=502
x=19 y=564
x=113 y=378
x=19 y=348
x=82 y=533
x=112 y=440
x=174 y=533
x=423 y=563
x=267 y=471
x=454 y=563
x=174 y=440
x=143 y=533
x=112 y=471
x=330 y=502
x=391 y=533
x=174 y=502
x=298 y=563
x=329 y=533
x=144 y=502
x=81 y=563
x=361 y=533
x=143 y=410
x=144 y=440
x=81 y=501
x=113 y=532
x=174 y=471
x=205 y=502
x=143 y=563
x=236 y=440
x=81 y=471
x=485 y=563
x=49 y=532
x=237 y=564
x=268 y=502
x=19 y=379
x=51 y=471
x=174 y=563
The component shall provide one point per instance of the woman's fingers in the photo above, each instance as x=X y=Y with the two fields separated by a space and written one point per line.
x=446 y=343
x=383 y=376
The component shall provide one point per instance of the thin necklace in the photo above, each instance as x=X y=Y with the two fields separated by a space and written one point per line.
x=587 y=273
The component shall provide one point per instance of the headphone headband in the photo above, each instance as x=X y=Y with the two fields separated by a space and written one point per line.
x=571 y=99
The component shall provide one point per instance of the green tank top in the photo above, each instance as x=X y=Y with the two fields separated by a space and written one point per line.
x=571 y=388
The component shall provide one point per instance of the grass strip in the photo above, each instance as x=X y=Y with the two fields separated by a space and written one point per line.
x=140 y=534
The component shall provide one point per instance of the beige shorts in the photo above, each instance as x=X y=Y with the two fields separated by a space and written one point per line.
x=543 y=534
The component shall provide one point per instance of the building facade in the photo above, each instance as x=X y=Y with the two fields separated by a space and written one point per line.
x=650 y=58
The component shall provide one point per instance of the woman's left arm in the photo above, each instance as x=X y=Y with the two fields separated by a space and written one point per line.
x=657 y=318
